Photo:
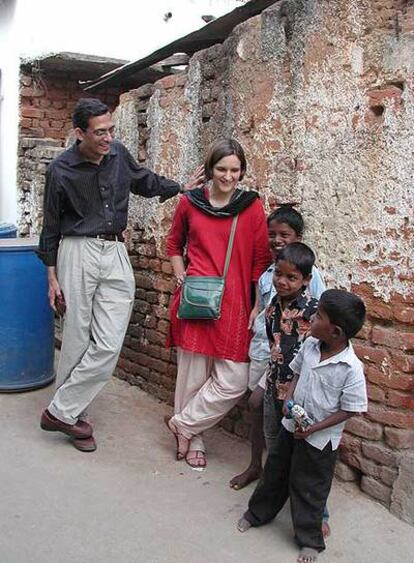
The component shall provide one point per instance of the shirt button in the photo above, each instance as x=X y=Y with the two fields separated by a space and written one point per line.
x=106 y=205
x=103 y=189
x=109 y=222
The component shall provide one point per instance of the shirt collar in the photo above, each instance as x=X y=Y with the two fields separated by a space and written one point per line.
x=347 y=356
x=74 y=157
x=299 y=302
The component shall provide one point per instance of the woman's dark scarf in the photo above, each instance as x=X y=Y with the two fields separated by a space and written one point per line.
x=240 y=200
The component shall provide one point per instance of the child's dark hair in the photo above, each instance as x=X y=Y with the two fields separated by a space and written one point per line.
x=85 y=109
x=300 y=255
x=287 y=214
x=344 y=309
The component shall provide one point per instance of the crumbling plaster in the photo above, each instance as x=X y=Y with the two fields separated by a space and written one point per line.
x=293 y=87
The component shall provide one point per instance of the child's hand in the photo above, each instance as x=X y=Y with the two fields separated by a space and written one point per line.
x=252 y=318
x=303 y=434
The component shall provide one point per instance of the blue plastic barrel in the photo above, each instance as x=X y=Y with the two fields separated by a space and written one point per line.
x=7 y=230
x=26 y=320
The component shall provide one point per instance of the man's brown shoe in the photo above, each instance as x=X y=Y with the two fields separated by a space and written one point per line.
x=51 y=424
x=84 y=444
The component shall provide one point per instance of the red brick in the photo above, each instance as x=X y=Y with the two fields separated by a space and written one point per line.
x=393 y=338
x=31 y=91
x=163 y=327
x=31 y=112
x=399 y=438
x=404 y=314
x=365 y=428
x=393 y=380
x=365 y=332
x=167 y=286
x=389 y=93
x=375 y=393
x=380 y=453
x=378 y=310
x=404 y=362
x=391 y=417
x=26 y=123
x=400 y=399
x=370 y=354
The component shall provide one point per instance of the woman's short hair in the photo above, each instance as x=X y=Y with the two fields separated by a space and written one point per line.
x=220 y=149
x=85 y=109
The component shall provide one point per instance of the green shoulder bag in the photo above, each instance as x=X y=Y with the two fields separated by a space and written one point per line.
x=201 y=296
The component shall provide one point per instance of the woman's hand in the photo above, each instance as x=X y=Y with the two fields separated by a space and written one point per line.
x=252 y=318
x=195 y=180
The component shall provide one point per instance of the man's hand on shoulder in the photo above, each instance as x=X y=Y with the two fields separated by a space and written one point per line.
x=195 y=180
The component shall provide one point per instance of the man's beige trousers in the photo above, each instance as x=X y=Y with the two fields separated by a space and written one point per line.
x=206 y=389
x=98 y=283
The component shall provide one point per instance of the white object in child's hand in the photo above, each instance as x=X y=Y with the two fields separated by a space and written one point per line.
x=300 y=416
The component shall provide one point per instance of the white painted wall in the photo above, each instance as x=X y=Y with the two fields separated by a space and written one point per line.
x=9 y=113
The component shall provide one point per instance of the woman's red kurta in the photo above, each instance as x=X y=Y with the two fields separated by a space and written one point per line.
x=206 y=237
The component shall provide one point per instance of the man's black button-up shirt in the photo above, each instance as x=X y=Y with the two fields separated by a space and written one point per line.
x=86 y=199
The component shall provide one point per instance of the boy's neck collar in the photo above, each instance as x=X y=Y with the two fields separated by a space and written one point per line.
x=332 y=349
x=287 y=301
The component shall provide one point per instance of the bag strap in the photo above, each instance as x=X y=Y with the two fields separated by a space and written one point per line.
x=230 y=246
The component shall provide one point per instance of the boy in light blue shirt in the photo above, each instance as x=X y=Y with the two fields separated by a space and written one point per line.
x=285 y=226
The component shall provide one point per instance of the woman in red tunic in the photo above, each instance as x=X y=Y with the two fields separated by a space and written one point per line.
x=212 y=355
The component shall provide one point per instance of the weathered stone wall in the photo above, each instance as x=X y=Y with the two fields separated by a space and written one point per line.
x=33 y=158
x=321 y=95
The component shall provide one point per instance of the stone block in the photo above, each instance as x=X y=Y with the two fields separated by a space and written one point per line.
x=402 y=500
x=346 y=473
x=376 y=489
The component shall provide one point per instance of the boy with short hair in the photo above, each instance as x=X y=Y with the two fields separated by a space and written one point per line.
x=329 y=384
x=285 y=226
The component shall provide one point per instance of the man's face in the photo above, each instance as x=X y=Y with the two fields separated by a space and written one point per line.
x=96 y=140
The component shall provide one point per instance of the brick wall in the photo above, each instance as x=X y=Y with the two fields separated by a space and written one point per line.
x=325 y=113
x=47 y=102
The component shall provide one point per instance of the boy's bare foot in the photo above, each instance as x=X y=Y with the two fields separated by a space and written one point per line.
x=243 y=525
x=251 y=474
x=326 y=530
x=307 y=555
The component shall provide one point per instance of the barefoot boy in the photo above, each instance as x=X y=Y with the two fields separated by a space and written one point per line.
x=285 y=225
x=329 y=384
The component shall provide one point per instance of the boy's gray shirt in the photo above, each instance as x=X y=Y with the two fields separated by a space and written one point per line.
x=324 y=388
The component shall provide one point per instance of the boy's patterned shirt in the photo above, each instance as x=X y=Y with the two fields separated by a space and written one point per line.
x=287 y=329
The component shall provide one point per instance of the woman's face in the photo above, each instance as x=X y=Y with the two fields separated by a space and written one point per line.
x=226 y=174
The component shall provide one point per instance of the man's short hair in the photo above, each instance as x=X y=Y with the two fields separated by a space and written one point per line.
x=85 y=109
x=300 y=255
x=344 y=309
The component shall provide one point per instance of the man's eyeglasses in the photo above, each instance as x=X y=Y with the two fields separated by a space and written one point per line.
x=104 y=132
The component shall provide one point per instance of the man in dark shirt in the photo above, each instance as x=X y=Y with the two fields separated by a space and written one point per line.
x=89 y=272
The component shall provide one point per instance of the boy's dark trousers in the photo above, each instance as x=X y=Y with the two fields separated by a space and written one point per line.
x=300 y=471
